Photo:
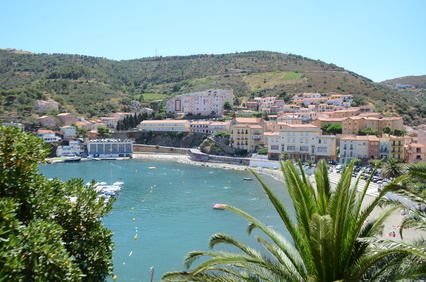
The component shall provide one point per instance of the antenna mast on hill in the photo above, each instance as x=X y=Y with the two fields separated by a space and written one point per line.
x=155 y=52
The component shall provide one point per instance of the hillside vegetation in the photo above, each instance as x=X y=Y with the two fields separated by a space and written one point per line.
x=93 y=86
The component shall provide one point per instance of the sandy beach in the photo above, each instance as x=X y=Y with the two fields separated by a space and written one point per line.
x=390 y=226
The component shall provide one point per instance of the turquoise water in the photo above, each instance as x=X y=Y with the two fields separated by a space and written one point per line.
x=172 y=210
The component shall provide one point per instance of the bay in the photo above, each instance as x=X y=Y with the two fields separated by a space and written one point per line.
x=165 y=210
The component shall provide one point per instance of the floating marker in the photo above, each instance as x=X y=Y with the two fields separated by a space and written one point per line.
x=130 y=253
x=133 y=208
x=136 y=237
x=115 y=277
x=134 y=219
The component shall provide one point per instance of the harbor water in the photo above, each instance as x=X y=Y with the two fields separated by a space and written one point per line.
x=165 y=210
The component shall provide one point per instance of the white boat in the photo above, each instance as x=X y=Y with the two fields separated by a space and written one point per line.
x=107 y=190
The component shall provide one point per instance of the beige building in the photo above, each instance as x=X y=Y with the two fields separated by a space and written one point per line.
x=247 y=134
x=200 y=103
x=47 y=121
x=353 y=125
x=66 y=118
x=46 y=106
x=302 y=141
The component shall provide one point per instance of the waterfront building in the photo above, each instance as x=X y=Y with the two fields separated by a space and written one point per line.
x=247 y=133
x=414 y=153
x=302 y=141
x=164 y=125
x=203 y=103
x=74 y=149
x=109 y=148
x=396 y=146
x=363 y=148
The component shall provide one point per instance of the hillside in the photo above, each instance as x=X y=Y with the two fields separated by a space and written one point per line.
x=93 y=86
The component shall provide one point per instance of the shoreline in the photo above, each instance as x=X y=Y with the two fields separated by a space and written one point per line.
x=390 y=225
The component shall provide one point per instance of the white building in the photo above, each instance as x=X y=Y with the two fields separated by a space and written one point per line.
x=203 y=103
x=302 y=141
x=109 y=148
x=48 y=136
x=68 y=132
x=164 y=125
x=73 y=149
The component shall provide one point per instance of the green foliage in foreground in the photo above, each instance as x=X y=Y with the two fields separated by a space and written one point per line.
x=333 y=238
x=49 y=230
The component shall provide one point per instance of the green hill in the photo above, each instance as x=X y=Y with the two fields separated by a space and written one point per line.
x=93 y=86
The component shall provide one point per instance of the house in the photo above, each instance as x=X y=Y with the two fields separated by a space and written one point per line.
x=47 y=121
x=110 y=122
x=48 y=136
x=109 y=148
x=46 y=106
x=68 y=132
x=67 y=118
x=14 y=124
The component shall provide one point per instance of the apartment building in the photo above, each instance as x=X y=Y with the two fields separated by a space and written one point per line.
x=247 y=133
x=200 y=103
x=302 y=141
x=414 y=153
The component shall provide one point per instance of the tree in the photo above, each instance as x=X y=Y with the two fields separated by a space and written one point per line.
x=227 y=106
x=368 y=131
x=49 y=230
x=398 y=132
x=386 y=129
x=392 y=169
x=284 y=156
x=103 y=132
x=332 y=239
x=263 y=151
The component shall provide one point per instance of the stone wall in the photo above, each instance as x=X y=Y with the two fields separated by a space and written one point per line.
x=141 y=148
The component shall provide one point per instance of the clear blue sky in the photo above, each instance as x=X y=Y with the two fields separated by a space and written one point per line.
x=376 y=39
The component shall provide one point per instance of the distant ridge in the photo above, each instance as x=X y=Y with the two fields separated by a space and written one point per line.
x=94 y=86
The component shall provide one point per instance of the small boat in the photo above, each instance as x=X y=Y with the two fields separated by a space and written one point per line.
x=219 y=206
x=248 y=179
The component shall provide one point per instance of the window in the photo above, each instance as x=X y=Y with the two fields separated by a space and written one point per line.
x=304 y=148
x=274 y=147
x=291 y=148
x=324 y=150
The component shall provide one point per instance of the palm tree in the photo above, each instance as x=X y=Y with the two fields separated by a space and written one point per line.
x=326 y=237
x=284 y=156
x=392 y=169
